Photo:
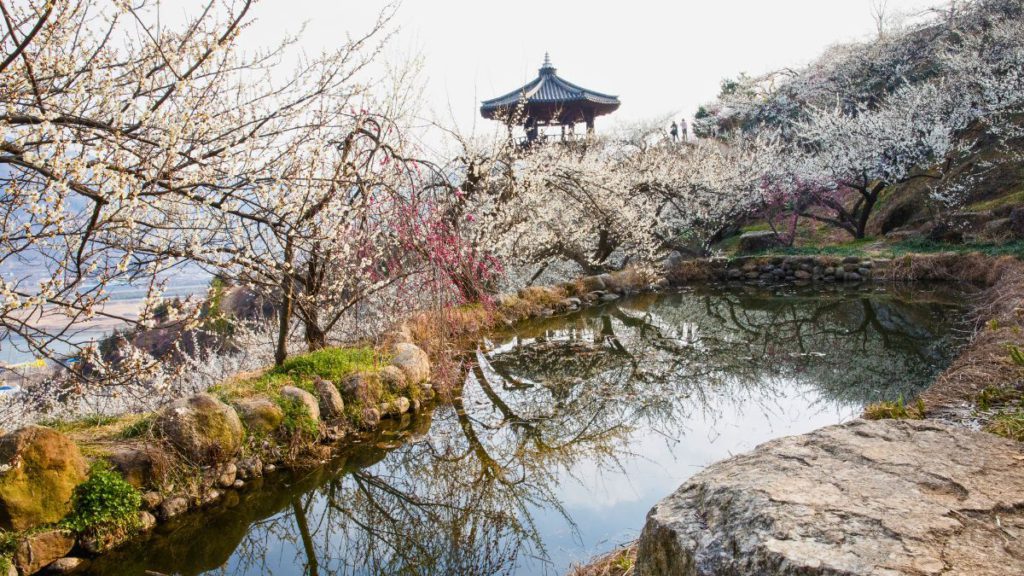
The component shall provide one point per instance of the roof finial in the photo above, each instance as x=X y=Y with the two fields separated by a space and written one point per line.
x=547 y=68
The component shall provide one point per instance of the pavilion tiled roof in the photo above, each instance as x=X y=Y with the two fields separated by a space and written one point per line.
x=550 y=89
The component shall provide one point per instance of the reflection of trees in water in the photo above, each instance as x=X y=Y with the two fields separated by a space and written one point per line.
x=562 y=392
x=851 y=348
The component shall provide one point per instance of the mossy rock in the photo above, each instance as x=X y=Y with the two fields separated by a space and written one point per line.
x=40 y=470
x=261 y=416
x=202 y=428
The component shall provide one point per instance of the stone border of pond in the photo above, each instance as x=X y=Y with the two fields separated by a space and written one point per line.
x=194 y=450
x=721 y=520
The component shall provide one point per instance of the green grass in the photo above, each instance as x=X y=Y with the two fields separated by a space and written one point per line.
x=1011 y=199
x=83 y=423
x=1016 y=355
x=873 y=247
x=333 y=364
x=1008 y=425
x=297 y=419
x=995 y=396
x=897 y=410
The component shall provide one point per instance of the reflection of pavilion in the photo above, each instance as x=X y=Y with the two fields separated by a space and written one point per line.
x=549 y=100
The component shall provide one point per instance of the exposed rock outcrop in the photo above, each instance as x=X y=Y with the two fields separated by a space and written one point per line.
x=204 y=429
x=39 y=470
x=864 y=498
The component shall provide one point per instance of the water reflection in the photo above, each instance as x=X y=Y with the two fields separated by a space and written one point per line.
x=566 y=433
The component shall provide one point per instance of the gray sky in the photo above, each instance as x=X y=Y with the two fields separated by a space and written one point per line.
x=659 y=57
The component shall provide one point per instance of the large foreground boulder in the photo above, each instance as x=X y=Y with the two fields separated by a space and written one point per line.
x=39 y=470
x=880 y=498
x=204 y=429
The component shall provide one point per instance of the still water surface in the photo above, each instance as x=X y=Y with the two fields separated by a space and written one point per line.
x=568 y=431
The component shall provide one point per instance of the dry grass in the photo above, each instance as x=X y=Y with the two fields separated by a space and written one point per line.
x=987 y=363
x=621 y=562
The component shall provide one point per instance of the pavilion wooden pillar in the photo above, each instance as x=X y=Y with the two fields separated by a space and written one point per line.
x=588 y=117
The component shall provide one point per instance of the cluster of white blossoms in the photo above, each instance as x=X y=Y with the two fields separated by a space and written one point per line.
x=132 y=148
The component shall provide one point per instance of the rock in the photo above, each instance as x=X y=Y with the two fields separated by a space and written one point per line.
x=249 y=468
x=307 y=400
x=393 y=379
x=886 y=497
x=226 y=475
x=370 y=419
x=332 y=406
x=142 y=466
x=270 y=468
x=173 y=507
x=594 y=283
x=210 y=497
x=758 y=241
x=610 y=297
x=413 y=362
x=261 y=416
x=570 y=304
x=415 y=406
x=37 y=550
x=152 y=500
x=39 y=470
x=943 y=232
x=332 y=434
x=146 y=521
x=1017 y=222
x=202 y=428
x=396 y=407
x=802 y=274
x=238 y=484
x=66 y=565
x=851 y=260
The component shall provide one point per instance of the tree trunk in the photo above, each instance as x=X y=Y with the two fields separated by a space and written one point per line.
x=285 y=313
x=870 y=198
x=316 y=338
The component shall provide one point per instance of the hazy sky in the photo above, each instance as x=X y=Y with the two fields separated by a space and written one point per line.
x=659 y=57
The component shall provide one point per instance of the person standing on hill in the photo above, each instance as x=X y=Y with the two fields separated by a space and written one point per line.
x=683 y=130
x=674 y=131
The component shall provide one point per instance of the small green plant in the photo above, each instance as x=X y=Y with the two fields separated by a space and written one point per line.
x=993 y=324
x=1008 y=425
x=624 y=563
x=993 y=396
x=104 y=500
x=297 y=419
x=897 y=410
x=83 y=423
x=1016 y=355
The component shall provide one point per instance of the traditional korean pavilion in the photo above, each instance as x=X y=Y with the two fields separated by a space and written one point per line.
x=549 y=100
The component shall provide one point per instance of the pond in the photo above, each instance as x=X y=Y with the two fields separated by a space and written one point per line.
x=568 y=430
